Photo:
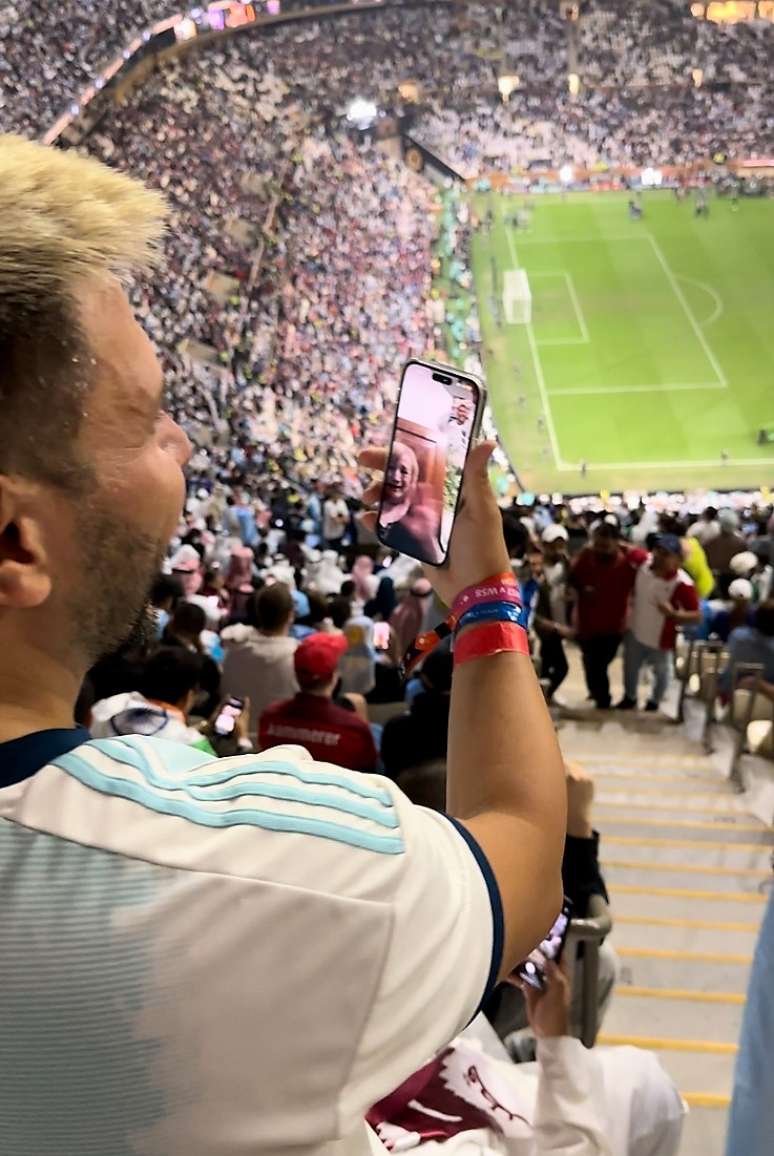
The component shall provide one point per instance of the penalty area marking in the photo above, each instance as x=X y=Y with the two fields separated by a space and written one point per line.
x=584 y=338
x=702 y=340
x=718 y=310
x=535 y=354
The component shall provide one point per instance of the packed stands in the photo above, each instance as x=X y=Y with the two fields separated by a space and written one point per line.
x=296 y=280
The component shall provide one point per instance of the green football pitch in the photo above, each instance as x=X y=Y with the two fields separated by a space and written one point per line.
x=649 y=359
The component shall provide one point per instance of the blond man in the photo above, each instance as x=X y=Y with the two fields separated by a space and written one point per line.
x=209 y=958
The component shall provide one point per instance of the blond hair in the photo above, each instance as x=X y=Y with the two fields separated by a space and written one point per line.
x=64 y=218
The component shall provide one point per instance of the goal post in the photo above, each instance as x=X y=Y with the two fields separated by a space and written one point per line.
x=517 y=298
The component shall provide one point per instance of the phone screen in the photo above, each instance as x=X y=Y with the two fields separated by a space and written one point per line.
x=382 y=635
x=532 y=970
x=227 y=717
x=434 y=429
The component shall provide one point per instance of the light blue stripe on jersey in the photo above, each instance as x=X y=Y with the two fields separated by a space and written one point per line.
x=82 y=770
x=385 y=817
x=224 y=770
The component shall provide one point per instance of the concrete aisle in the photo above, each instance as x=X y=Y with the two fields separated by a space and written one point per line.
x=688 y=871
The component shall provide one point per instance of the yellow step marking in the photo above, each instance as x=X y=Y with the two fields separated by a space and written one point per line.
x=626 y=819
x=636 y=777
x=684 y=956
x=699 y=761
x=692 y=924
x=656 y=1044
x=687 y=994
x=690 y=893
x=706 y=1099
x=684 y=795
x=691 y=868
x=640 y=841
x=683 y=804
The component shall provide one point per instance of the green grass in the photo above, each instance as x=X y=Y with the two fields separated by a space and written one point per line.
x=650 y=353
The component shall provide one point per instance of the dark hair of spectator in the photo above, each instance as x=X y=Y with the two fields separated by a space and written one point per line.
x=170 y=674
x=764 y=618
x=607 y=530
x=273 y=607
x=516 y=536
x=318 y=609
x=167 y=588
x=437 y=670
x=340 y=611
x=188 y=620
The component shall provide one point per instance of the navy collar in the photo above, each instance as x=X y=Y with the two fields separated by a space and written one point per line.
x=21 y=758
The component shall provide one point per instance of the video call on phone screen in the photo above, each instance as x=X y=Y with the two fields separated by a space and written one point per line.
x=424 y=473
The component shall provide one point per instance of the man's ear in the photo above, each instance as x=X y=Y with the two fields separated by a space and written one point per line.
x=25 y=580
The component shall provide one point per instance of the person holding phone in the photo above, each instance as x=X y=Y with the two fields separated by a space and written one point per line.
x=410 y=515
x=244 y=953
x=571 y=1102
x=169 y=683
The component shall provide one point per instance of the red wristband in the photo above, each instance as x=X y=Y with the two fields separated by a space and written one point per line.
x=490 y=638
x=500 y=588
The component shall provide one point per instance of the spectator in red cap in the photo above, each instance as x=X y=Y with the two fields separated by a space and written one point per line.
x=331 y=733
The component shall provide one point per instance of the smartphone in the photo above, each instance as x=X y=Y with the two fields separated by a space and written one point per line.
x=227 y=716
x=437 y=420
x=532 y=970
x=382 y=635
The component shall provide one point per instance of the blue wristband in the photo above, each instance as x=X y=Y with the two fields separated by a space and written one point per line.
x=495 y=612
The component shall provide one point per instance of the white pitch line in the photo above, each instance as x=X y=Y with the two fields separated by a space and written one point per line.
x=688 y=312
x=536 y=362
x=664 y=387
x=712 y=463
x=576 y=306
x=584 y=339
x=581 y=240
x=716 y=312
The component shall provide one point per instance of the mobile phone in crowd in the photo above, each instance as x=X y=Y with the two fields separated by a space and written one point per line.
x=382 y=635
x=227 y=717
x=532 y=970
x=437 y=420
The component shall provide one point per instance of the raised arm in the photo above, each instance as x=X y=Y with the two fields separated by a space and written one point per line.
x=505 y=774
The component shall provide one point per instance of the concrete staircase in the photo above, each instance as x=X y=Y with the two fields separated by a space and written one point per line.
x=688 y=870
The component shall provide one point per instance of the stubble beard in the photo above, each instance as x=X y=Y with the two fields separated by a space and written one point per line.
x=111 y=606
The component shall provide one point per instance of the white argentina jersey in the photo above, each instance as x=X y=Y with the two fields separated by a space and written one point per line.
x=222 y=958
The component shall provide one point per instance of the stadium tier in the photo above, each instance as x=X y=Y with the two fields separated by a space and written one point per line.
x=293 y=775
x=641 y=357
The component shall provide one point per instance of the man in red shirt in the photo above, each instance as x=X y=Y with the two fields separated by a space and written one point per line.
x=603 y=575
x=664 y=596
x=330 y=733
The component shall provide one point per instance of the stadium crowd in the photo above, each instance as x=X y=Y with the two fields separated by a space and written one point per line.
x=50 y=53
x=277 y=618
x=301 y=349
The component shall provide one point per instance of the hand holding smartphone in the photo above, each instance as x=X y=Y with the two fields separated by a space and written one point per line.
x=437 y=420
x=533 y=969
x=477 y=546
x=227 y=717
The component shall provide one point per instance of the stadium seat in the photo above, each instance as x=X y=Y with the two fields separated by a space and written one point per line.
x=697 y=666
